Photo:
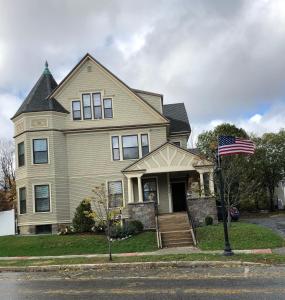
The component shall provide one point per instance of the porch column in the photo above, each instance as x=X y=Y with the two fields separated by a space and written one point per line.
x=202 y=187
x=211 y=183
x=140 y=189
x=130 y=191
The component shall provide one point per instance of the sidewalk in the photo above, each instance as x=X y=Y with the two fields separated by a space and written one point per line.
x=165 y=251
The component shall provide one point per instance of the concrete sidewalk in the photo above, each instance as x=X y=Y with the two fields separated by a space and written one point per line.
x=165 y=251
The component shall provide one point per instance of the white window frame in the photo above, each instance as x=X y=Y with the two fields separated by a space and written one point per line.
x=17 y=154
x=157 y=186
x=72 y=110
x=34 y=198
x=123 y=190
x=103 y=107
x=18 y=192
x=32 y=150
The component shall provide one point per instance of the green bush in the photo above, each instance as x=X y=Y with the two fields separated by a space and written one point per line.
x=209 y=220
x=118 y=231
x=83 y=220
x=138 y=225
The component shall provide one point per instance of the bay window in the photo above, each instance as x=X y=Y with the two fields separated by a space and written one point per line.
x=40 y=151
x=22 y=200
x=21 y=154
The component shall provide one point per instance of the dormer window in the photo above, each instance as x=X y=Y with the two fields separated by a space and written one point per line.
x=86 y=101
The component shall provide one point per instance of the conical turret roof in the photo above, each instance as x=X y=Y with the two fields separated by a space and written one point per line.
x=37 y=98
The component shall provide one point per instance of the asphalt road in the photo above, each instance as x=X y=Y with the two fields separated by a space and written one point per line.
x=164 y=283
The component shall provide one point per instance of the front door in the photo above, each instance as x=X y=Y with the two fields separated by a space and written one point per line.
x=178 y=196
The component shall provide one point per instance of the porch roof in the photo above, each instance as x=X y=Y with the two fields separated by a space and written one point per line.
x=169 y=158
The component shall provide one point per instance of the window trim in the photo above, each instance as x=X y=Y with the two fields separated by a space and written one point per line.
x=123 y=190
x=90 y=95
x=19 y=200
x=34 y=198
x=139 y=152
x=141 y=136
x=47 y=140
x=119 y=147
x=18 y=160
x=103 y=106
x=76 y=110
x=157 y=186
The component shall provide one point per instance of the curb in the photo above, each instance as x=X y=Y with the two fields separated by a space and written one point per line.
x=120 y=266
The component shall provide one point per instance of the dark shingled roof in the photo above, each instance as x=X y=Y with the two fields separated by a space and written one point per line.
x=37 y=98
x=177 y=115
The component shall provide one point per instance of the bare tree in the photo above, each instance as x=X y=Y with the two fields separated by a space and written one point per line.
x=103 y=212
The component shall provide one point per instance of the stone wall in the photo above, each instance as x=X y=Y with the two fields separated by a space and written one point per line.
x=200 y=208
x=143 y=212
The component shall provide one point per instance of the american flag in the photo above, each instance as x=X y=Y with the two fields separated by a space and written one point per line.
x=229 y=145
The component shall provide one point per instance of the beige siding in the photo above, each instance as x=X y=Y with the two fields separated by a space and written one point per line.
x=183 y=139
x=153 y=100
x=128 y=109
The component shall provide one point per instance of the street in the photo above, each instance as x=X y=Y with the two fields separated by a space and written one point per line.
x=255 y=282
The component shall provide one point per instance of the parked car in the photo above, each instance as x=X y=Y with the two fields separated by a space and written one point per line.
x=234 y=212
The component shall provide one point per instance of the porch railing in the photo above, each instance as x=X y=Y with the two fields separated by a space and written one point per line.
x=158 y=234
x=193 y=227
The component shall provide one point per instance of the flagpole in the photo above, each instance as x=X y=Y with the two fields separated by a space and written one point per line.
x=227 y=250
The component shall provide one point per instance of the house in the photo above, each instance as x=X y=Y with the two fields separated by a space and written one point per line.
x=280 y=195
x=92 y=128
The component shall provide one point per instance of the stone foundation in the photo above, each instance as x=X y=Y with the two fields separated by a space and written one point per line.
x=31 y=229
x=144 y=212
x=200 y=208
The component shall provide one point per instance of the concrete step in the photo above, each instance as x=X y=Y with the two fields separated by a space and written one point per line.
x=174 y=227
x=178 y=240
x=178 y=244
x=176 y=234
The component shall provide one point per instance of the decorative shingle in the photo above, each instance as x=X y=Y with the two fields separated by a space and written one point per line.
x=177 y=115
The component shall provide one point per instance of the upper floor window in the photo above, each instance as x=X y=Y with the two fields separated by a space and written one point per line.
x=40 y=151
x=115 y=191
x=21 y=154
x=115 y=148
x=130 y=146
x=86 y=101
x=108 y=109
x=76 y=110
x=42 y=198
x=97 y=105
x=22 y=200
x=145 y=144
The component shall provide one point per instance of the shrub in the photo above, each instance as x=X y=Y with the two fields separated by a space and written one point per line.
x=83 y=220
x=118 y=231
x=209 y=220
x=138 y=225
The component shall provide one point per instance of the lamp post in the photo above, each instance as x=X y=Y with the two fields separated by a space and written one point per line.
x=227 y=250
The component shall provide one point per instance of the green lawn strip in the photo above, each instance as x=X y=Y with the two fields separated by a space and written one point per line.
x=73 y=244
x=259 y=258
x=242 y=236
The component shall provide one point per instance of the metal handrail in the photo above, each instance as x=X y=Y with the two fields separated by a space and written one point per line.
x=158 y=234
x=193 y=227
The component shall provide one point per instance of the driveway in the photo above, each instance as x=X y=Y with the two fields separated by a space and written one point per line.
x=275 y=222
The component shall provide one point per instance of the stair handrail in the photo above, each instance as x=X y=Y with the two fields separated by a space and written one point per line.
x=158 y=234
x=193 y=227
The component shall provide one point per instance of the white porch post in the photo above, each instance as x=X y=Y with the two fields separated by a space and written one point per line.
x=130 y=191
x=202 y=187
x=211 y=184
x=169 y=194
x=140 y=189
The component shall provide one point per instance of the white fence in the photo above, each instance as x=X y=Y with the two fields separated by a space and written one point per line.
x=7 y=222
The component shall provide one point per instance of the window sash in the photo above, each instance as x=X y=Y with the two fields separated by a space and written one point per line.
x=144 y=144
x=108 y=108
x=76 y=113
x=42 y=202
x=97 y=107
x=131 y=151
x=149 y=189
x=22 y=200
x=40 y=156
x=116 y=148
x=87 y=113
x=21 y=154
x=115 y=195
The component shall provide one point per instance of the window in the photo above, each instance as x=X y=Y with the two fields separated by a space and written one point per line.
x=40 y=151
x=149 y=189
x=21 y=154
x=86 y=100
x=43 y=229
x=97 y=106
x=108 y=110
x=177 y=144
x=42 y=198
x=130 y=147
x=76 y=110
x=145 y=145
x=115 y=148
x=22 y=200
x=115 y=190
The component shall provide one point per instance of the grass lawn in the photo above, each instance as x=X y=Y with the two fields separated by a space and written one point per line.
x=258 y=258
x=242 y=236
x=73 y=244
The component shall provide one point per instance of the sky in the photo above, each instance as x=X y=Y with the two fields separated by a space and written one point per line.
x=224 y=59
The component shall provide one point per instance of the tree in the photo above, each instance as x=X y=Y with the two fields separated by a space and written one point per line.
x=83 y=220
x=7 y=174
x=103 y=212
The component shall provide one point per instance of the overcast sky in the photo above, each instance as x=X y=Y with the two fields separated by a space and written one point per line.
x=224 y=59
